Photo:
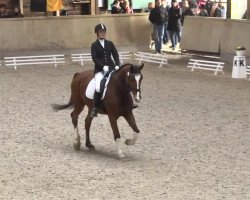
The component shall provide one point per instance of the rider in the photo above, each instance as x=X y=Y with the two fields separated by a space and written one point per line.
x=101 y=51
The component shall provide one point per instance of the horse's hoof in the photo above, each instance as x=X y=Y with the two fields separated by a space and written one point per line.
x=129 y=142
x=77 y=145
x=122 y=155
x=91 y=147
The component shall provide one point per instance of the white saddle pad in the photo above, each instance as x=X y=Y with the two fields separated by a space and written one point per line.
x=91 y=88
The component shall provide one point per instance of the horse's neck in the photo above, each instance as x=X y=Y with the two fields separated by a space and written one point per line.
x=120 y=80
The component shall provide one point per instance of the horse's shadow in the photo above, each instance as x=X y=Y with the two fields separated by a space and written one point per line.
x=103 y=153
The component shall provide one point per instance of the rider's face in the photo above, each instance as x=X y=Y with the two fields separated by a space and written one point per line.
x=101 y=34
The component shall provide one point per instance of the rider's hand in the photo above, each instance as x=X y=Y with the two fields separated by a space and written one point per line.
x=117 y=67
x=106 y=68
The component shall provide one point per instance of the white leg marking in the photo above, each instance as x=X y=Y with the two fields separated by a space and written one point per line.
x=77 y=142
x=137 y=78
x=119 y=148
x=133 y=140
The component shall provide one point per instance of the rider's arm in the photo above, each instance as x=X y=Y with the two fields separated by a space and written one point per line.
x=97 y=62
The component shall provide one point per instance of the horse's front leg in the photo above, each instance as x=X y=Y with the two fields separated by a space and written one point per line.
x=131 y=121
x=117 y=137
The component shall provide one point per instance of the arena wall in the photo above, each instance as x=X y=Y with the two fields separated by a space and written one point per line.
x=72 y=32
x=215 y=35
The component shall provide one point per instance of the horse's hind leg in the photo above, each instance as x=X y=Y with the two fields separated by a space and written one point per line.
x=117 y=137
x=131 y=121
x=74 y=115
x=88 y=121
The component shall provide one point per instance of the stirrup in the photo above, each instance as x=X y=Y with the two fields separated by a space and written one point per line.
x=94 y=112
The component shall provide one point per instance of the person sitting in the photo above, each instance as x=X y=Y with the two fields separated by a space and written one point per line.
x=3 y=12
x=203 y=11
x=127 y=7
x=116 y=9
x=101 y=52
x=149 y=8
x=17 y=12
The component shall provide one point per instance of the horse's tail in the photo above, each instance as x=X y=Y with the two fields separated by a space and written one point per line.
x=57 y=107
x=70 y=104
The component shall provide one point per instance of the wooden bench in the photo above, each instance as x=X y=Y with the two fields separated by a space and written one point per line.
x=86 y=57
x=151 y=58
x=248 y=71
x=34 y=60
x=206 y=65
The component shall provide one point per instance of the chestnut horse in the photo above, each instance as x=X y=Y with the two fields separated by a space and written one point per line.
x=123 y=89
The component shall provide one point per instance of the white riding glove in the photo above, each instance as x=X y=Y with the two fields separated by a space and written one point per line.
x=106 y=68
x=117 y=67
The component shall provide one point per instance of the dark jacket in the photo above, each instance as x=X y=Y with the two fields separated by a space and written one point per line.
x=174 y=22
x=102 y=56
x=186 y=12
x=158 y=15
x=115 y=10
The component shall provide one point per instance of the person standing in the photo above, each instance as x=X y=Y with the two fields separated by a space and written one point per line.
x=102 y=51
x=158 y=17
x=174 y=23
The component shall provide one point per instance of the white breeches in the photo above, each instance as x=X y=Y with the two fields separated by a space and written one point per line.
x=98 y=77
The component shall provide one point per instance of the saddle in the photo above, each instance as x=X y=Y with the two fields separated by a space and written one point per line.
x=103 y=88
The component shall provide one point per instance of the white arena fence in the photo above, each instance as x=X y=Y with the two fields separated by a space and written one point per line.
x=248 y=71
x=34 y=60
x=82 y=58
x=206 y=65
x=86 y=57
x=151 y=58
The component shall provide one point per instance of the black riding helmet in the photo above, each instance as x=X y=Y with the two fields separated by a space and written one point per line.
x=99 y=27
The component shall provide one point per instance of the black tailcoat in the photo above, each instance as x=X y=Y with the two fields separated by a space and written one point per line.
x=102 y=56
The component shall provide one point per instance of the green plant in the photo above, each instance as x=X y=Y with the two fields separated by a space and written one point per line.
x=240 y=48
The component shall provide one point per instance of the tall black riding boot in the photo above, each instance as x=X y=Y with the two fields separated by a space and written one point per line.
x=97 y=99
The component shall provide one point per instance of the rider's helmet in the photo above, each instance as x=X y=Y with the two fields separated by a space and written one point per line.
x=99 y=27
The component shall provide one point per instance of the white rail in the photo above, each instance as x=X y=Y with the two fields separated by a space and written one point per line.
x=34 y=60
x=206 y=65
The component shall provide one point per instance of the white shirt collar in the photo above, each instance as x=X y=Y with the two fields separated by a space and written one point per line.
x=102 y=42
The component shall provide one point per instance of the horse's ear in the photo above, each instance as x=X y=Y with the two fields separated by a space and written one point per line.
x=141 y=66
x=132 y=69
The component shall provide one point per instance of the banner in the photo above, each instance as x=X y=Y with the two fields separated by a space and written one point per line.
x=54 y=5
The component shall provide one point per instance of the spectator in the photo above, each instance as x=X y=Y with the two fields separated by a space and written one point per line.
x=149 y=8
x=127 y=8
x=17 y=12
x=208 y=6
x=3 y=12
x=158 y=17
x=122 y=5
x=215 y=11
x=203 y=11
x=174 y=23
x=223 y=10
x=166 y=35
x=116 y=9
x=186 y=11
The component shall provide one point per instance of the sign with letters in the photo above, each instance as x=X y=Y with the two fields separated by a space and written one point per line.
x=239 y=67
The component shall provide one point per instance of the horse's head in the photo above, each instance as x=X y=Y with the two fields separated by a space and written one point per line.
x=134 y=81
